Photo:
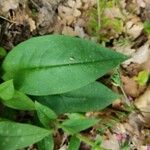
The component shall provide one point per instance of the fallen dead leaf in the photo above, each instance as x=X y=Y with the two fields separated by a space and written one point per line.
x=146 y=65
x=141 y=3
x=134 y=27
x=143 y=104
x=141 y=55
x=80 y=31
x=130 y=86
x=68 y=31
x=6 y=5
x=113 y=12
x=64 y=147
x=111 y=144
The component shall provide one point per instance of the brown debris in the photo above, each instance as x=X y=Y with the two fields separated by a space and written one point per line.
x=131 y=87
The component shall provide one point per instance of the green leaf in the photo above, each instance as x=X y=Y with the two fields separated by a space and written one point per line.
x=92 y=97
x=2 y=52
x=75 y=115
x=142 y=77
x=20 y=101
x=16 y=135
x=116 y=80
x=3 y=119
x=73 y=126
x=74 y=143
x=47 y=143
x=7 y=90
x=45 y=114
x=147 y=27
x=55 y=64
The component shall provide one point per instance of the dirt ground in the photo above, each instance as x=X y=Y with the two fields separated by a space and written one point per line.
x=123 y=25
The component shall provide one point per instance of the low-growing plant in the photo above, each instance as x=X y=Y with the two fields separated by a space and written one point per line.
x=49 y=76
x=101 y=25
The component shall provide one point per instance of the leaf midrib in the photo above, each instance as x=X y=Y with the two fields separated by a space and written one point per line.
x=68 y=64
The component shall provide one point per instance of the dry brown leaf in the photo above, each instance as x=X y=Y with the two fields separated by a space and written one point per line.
x=71 y=3
x=76 y=13
x=78 y=4
x=68 y=31
x=134 y=27
x=141 y=3
x=113 y=12
x=32 y=24
x=111 y=144
x=141 y=55
x=69 y=20
x=143 y=103
x=64 y=147
x=6 y=5
x=130 y=86
x=125 y=49
x=146 y=65
x=79 y=31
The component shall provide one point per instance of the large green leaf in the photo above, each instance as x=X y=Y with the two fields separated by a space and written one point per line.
x=16 y=135
x=6 y=90
x=94 y=96
x=57 y=64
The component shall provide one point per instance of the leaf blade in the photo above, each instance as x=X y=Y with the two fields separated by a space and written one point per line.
x=56 y=60
x=73 y=126
x=45 y=114
x=47 y=143
x=16 y=135
x=74 y=143
x=19 y=101
x=92 y=97
x=7 y=90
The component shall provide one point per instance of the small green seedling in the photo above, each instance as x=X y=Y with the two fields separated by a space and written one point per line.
x=102 y=26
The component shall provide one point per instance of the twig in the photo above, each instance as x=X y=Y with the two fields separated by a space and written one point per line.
x=125 y=96
x=36 y=5
x=8 y=20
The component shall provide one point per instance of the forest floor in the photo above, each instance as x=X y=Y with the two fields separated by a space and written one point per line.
x=123 y=25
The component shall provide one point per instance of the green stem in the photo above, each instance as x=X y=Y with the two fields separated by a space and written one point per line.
x=125 y=96
x=98 y=13
x=79 y=136
x=85 y=139
x=122 y=90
